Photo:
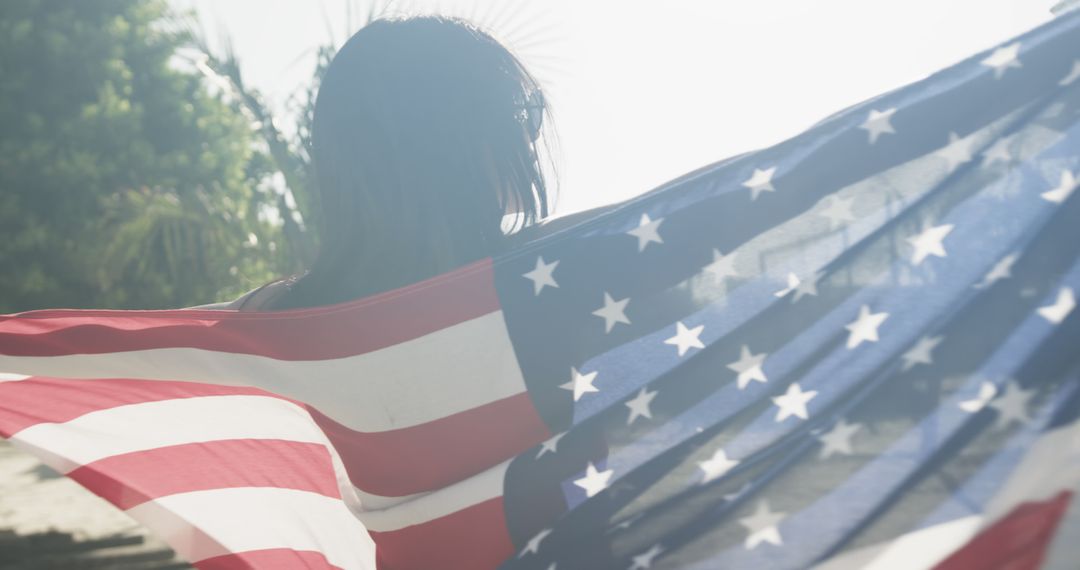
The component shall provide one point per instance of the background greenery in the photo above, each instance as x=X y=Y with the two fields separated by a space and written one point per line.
x=136 y=169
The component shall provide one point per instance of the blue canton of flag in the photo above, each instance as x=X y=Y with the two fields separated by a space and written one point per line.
x=856 y=349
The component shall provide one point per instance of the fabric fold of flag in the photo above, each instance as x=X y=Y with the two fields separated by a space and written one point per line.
x=854 y=349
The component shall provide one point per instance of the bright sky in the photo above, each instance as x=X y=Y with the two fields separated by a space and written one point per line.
x=643 y=92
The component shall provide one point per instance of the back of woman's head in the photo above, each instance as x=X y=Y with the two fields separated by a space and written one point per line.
x=423 y=139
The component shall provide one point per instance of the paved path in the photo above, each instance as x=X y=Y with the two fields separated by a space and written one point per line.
x=49 y=521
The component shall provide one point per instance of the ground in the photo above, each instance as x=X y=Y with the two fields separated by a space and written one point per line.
x=49 y=521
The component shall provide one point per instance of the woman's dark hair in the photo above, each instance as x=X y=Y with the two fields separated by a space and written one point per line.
x=421 y=142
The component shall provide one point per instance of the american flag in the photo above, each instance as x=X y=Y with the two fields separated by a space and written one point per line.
x=856 y=349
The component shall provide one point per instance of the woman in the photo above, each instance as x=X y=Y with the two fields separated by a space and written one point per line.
x=424 y=139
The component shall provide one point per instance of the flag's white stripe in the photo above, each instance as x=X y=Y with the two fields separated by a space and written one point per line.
x=1064 y=550
x=446 y=372
x=150 y=425
x=437 y=504
x=370 y=502
x=920 y=549
x=206 y=524
x=925 y=548
x=1051 y=465
x=9 y=377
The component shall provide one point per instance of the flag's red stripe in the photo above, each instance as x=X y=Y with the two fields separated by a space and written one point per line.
x=54 y=400
x=1016 y=542
x=474 y=538
x=436 y=454
x=133 y=478
x=270 y=558
x=346 y=329
x=390 y=463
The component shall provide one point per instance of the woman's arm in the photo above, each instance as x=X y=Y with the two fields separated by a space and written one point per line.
x=250 y=301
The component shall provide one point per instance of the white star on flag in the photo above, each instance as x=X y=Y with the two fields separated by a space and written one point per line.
x=957 y=152
x=1001 y=270
x=760 y=182
x=648 y=231
x=929 y=243
x=550 y=445
x=716 y=466
x=865 y=327
x=793 y=402
x=1003 y=58
x=628 y=522
x=1073 y=74
x=542 y=275
x=722 y=266
x=738 y=492
x=594 y=481
x=807 y=286
x=987 y=391
x=1065 y=303
x=838 y=439
x=748 y=366
x=533 y=546
x=1064 y=188
x=685 y=338
x=921 y=352
x=878 y=124
x=644 y=560
x=763 y=526
x=580 y=383
x=792 y=284
x=639 y=406
x=839 y=211
x=612 y=312
x=998 y=152
x=1012 y=405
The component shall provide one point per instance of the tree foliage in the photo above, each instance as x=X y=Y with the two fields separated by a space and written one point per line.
x=126 y=180
x=297 y=201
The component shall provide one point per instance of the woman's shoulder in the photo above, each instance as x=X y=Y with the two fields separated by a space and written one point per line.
x=254 y=300
x=555 y=225
x=262 y=297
